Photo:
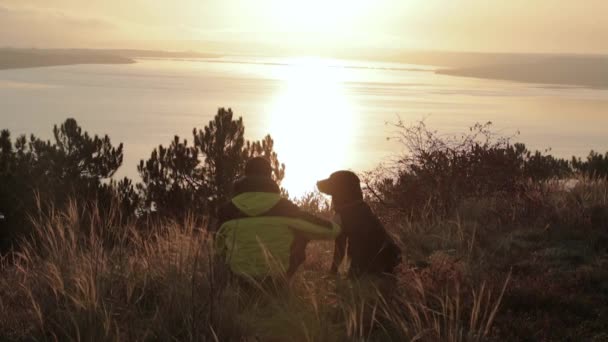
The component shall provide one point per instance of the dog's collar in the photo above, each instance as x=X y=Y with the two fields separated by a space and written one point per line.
x=348 y=205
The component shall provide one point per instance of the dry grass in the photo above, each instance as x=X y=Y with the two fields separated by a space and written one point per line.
x=83 y=279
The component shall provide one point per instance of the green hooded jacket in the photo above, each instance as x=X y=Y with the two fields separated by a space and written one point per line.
x=262 y=234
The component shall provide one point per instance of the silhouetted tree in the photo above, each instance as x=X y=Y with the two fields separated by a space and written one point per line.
x=76 y=163
x=34 y=173
x=265 y=148
x=172 y=180
x=595 y=166
x=120 y=198
x=221 y=145
x=185 y=179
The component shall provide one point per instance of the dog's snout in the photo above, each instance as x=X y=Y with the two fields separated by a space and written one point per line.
x=323 y=186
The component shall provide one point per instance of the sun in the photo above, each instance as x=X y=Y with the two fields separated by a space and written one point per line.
x=313 y=123
x=318 y=15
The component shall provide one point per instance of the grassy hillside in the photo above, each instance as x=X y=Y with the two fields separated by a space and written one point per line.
x=488 y=272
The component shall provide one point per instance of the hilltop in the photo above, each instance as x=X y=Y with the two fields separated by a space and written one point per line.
x=586 y=71
x=560 y=69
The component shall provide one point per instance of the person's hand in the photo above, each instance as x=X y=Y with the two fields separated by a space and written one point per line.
x=333 y=273
x=337 y=219
x=333 y=270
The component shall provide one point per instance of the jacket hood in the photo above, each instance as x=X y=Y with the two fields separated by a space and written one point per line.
x=256 y=203
x=255 y=184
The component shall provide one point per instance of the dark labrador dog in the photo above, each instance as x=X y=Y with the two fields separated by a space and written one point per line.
x=370 y=247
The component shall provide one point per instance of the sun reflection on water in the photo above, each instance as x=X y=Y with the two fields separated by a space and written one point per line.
x=313 y=123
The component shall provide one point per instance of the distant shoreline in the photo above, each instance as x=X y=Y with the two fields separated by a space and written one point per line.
x=16 y=66
x=575 y=70
x=585 y=73
x=20 y=59
x=562 y=70
x=37 y=58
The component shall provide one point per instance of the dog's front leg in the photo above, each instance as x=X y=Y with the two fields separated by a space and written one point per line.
x=339 y=251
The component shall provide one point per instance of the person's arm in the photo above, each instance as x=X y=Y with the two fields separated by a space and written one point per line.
x=307 y=225
x=315 y=228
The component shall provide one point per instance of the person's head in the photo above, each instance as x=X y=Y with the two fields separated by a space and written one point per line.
x=258 y=178
x=258 y=167
x=342 y=186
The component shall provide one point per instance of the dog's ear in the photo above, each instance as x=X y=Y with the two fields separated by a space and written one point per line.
x=346 y=184
x=341 y=183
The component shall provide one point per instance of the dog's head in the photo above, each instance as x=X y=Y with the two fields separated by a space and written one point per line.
x=342 y=186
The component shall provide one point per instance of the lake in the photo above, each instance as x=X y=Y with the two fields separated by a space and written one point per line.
x=323 y=114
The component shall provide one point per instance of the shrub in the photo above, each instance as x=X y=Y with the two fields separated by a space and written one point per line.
x=439 y=172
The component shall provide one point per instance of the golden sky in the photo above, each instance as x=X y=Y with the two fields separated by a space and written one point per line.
x=268 y=26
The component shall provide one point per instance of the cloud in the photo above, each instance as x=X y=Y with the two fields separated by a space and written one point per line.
x=56 y=15
x=48 y=27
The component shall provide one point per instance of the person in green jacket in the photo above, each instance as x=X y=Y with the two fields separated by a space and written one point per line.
x=262 y=235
